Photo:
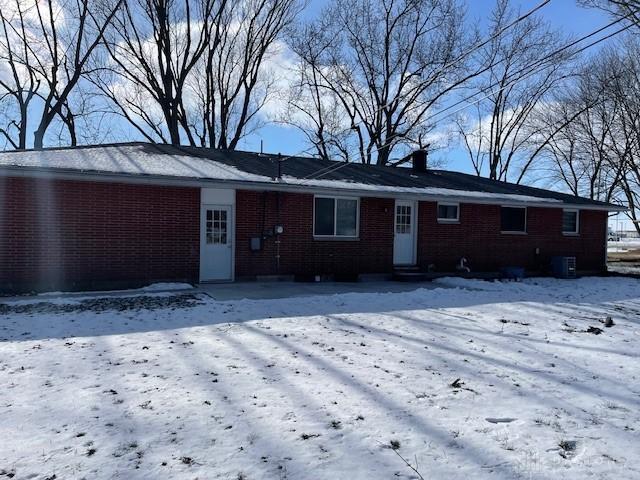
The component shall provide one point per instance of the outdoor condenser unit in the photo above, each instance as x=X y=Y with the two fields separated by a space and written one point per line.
x=563 y=267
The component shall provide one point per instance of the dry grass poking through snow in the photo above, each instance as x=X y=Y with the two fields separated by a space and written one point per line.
x=487 y=380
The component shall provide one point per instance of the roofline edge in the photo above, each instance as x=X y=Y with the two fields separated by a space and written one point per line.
x=112 y=177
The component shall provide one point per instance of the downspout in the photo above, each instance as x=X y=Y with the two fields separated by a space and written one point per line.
x=277 y=232
x=278 y=224
x=606 y=244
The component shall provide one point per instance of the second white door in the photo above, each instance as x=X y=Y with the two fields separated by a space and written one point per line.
x=405 y=230
x=216 y=242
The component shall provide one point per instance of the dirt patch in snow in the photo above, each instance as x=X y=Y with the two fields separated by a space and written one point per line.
x=119 y=304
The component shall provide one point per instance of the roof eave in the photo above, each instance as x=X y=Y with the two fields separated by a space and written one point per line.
x=86 y=175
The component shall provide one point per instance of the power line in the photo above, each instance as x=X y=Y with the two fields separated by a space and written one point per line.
x=445 y=66
x=541 y=61
x=326 y=170
x=452 y=63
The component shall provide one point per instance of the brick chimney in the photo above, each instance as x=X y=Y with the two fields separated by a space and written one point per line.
x=419 y=161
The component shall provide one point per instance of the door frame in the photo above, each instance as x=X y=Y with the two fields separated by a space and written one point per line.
x=215 y=197
x=414 y=230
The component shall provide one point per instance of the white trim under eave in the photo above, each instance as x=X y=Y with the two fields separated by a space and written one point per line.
x=68 y=174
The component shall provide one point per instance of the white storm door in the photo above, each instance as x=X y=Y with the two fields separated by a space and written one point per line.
x=216 y=242
x=405 y=229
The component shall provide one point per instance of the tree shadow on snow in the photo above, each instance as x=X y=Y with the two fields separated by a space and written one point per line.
x=97 y=316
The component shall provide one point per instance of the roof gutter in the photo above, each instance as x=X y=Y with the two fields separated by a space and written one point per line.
x=111 y=177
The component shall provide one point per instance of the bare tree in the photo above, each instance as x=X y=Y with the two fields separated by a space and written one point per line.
x=67 y=52
x=371 y=71
x=18 y=91
x=193 y=71
x=583 y=152
x=154 y=46
x=596 y=153
x=232 y=83
x=628 y=9
x=48 y=46
x=522 y=70
x=625 y=87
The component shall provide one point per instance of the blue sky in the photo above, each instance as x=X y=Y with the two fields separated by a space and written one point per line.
x=565 y=15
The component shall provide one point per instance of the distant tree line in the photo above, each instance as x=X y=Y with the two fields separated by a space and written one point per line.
x=364 y=81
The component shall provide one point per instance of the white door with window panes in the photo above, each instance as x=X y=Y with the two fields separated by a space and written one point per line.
x=216 y=242
x=405 y=229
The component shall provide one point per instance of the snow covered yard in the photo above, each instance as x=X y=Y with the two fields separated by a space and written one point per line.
x=624 y=256
x=472 y=380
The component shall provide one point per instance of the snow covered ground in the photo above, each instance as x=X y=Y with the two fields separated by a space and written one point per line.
x=624 y=268
x=623 y=245
x=472 y=380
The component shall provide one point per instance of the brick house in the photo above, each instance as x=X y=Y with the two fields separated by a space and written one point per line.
x=130 y=214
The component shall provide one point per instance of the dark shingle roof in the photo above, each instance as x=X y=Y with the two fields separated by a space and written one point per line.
x=306 y=167
x=145 y=159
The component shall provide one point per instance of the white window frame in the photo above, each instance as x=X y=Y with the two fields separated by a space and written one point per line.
x=526 y=220
x=335 y=218
x=448 y=220
x=577 y=230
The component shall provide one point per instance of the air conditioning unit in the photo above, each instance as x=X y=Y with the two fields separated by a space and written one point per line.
x=563 y=267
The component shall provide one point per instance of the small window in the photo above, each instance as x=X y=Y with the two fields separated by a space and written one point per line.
x=513 y=219
x=570 y=221
x=448 y=212
x=335 y=217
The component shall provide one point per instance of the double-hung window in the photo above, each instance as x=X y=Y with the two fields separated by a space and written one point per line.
x=336 y=217
x=513 y=219
x=570 y=222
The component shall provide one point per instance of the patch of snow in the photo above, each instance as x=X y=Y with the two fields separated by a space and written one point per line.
x=430 y=191
x=623 y=245
x=483 y=380
x=138 y=160
x=167 y=286
x=129 y=159
x=624 y=268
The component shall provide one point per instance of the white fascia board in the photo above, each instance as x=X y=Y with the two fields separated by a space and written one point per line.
x=385 y=192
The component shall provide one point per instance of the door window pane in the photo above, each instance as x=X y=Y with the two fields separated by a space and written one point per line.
x=403 y=219
x=216 y=227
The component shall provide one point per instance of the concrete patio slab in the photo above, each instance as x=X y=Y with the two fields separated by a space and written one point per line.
x=271 y=290
x=255 y=290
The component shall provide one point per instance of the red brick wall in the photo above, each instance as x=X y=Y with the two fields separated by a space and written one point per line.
x=299 y=252
x=76 y=234
x=477 y=237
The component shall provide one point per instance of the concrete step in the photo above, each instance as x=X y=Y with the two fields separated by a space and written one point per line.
x=414 y=275
x=406 y=268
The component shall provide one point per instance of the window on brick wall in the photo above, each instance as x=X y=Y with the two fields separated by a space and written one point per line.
x=336 y=217
x=448 y=212
x=570 y=222
x=513 y=219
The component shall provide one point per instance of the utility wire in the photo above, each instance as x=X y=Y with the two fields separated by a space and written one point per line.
x=327 y=170
x=452 y=63
x=540 y=62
